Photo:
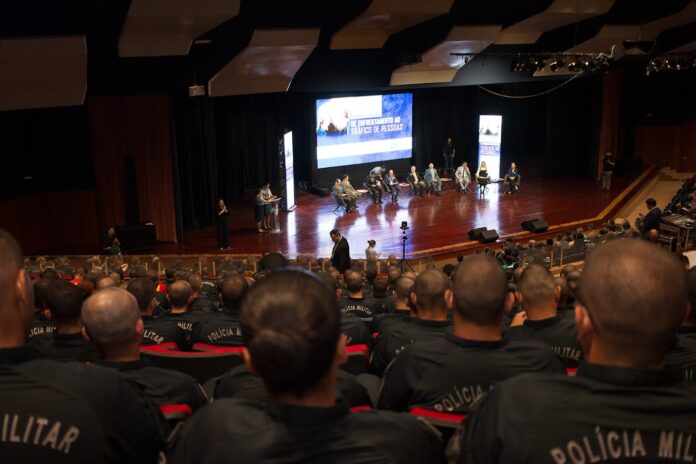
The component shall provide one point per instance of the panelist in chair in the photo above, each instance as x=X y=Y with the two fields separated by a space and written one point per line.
x=482 y=177
x=348 y=188
x=378 y=172
x=417 y=183
x=463 y=176
x=512 y=179
x=432 y=179
x=374 y=187
x=342 y=197
x=392 y=184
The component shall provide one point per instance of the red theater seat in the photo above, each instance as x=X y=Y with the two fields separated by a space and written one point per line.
x=200 y=364
x=439 y=418
x=358 y=359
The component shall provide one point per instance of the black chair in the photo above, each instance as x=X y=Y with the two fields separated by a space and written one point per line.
x=202 y=364
x=358 y=359
x=340 y=203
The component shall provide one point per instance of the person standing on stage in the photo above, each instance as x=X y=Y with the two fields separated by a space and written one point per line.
x=340 y=255
x=416 y=182
x=370 y=252
x=392 y=184
x=374 y=186
x=463 y=176
x=222 y=220
x=448 y=153
x=512 y=179
x=378 y=173
x=112 y=245
x=432 y=178
x=267 y=197
x=607 y=170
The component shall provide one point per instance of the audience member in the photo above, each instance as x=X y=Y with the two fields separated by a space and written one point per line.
x=111 y=319
x=539 y=296
x=682 y=353
x=223 y=328
x=66 y=343
x=381 y=297
x=451 y=373
x=200 y=301
x=42 y=323
x=356 y=302
x=621 y=405
x=355 y=330
x=402 y=308
x=65 y=412
x=156 y=330
x=429 y=296
x=291 y=329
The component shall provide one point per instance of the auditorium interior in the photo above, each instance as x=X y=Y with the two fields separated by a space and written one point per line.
x=125 y=124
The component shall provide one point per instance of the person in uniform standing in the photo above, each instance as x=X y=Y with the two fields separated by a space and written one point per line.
x=223 y=225
x=448 y=152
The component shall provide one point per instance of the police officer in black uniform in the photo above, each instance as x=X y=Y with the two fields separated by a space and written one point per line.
x=356 y=301
x=451 y=373
x=682 y=354
x=201 y=301
x=622 y=405
x=180 y=295
x=382 y=300
x=66 y=343
x=156 y=330
x=42 y=324
x=429 y=295
x=223 y=328
x=290 y=323
x=111 y=319
x=356 y=331
x=402 y=308
x=539 y=295
x=62 y=412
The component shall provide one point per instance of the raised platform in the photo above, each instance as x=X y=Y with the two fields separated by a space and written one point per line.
x=438 y=225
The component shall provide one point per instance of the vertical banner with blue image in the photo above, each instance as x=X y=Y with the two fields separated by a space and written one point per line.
x=490 y=131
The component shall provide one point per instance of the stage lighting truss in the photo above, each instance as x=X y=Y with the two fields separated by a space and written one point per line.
x=553 y=61
x=679 y=61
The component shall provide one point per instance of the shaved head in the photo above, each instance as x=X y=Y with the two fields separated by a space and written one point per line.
x=480 y=289
x=233 y=290
x=110 y=317
x=16 y=294
x=403 y=288
x=430 y=287
x=11 y=261
x=354 y=281
x=180 y=292
x=106 y=282
x=635 y=295
x=537 y=286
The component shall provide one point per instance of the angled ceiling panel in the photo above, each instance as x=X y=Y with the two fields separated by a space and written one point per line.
x=42 y=72
x=168 y=27
x=268 y=64
x=383 y=18
x=560 y=13
x=438 y=65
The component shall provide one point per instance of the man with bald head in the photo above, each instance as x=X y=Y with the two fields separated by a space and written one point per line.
x=429 y=296
x=223 y=328
x=622 y=405
x=157 y=331
x=539 y=295
x=402 y=306
x=180 y=296
x=67 y=412
x=449 y=374
x=111 y=320
x=201 y=302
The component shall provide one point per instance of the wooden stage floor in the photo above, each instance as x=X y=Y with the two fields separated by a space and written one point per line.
x=438 y=225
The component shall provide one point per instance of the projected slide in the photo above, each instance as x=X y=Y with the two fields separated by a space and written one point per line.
x=490 y=127
x=368 y=129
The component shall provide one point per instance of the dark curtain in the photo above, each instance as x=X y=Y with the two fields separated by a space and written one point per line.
x=573 y=125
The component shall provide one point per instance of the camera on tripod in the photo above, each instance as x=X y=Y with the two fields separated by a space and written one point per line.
x=404 y=226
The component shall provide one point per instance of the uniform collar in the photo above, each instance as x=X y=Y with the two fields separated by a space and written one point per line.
x=306 y=416
x=628 y=376
x=466 y=343
x=18 y=355
x=427 y=323
x=126 y=365
x=549 y=321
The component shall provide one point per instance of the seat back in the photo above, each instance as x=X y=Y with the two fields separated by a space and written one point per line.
x=358 y=359
x=201 y=364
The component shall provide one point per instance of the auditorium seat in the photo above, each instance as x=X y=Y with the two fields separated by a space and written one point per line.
x=358 y=359
x=201 y=364
x=445 y=422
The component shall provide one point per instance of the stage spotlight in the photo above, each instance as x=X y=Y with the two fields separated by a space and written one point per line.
x=553 y=66
x=572 y=66
x=518 y=66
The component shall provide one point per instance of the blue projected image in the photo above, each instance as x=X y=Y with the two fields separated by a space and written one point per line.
x=365 y=129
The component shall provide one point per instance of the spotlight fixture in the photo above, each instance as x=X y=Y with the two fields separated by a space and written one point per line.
x=671 y=62
x=572 y=66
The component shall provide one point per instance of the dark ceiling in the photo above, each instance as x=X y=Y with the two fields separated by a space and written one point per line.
x=326 y=70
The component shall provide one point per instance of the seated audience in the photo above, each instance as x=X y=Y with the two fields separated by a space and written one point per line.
x=223 y=328
x=429 y=296
x=402 y=308
x=42 y=323
x=356 y=331
x=66 y=343
x=200 y=302
x=622 y=405
x=156 y=330
x=539 y=296
x=67 y=412
x=356 y=302
x=111 y=319
x=292 y=335
x=180 y=296
x=451 y=373
x=381 y=297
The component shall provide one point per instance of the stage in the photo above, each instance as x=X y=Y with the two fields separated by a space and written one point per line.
x=437 y=225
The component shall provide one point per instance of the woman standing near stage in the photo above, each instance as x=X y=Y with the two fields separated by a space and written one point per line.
x=222 y=221
x=264 y=209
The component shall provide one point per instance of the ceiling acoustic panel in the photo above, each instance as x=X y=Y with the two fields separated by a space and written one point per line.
x=168 y=27
x=268 y=64
x=438 y=65
x=560 y=13
x=383 y=18
x=42 y=72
